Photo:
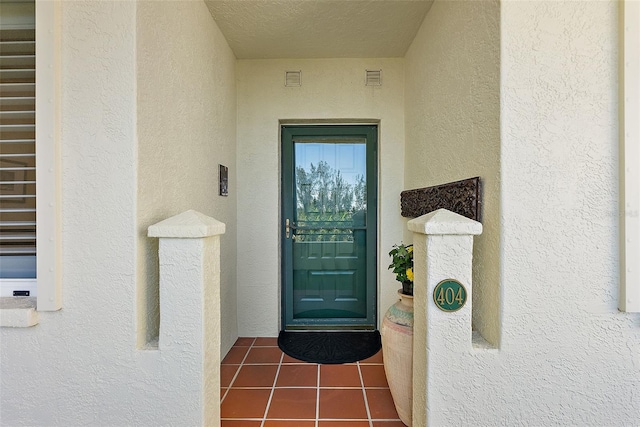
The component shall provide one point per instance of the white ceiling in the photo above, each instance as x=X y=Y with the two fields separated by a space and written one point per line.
x=261 y=29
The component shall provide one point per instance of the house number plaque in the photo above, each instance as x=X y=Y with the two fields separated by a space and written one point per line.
x=450 y=295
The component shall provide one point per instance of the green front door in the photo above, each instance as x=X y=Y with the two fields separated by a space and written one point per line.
x=329 y=218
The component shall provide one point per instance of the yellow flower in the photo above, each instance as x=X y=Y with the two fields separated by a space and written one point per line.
x=410 y=249
x=410 y=274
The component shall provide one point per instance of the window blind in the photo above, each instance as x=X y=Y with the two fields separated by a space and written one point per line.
x=17 y=154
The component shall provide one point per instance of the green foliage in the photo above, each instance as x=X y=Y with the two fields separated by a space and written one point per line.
x=402 y=263
x=328 y=203
x=322 y=190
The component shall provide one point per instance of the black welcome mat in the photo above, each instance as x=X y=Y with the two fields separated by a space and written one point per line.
x=330 y=347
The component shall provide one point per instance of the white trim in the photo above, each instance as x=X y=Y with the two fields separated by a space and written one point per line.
x=48 y=168
x=629 y=110
x=7 y=286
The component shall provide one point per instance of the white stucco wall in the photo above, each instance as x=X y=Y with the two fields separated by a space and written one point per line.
x=186 y=128
x=78 y=364
x=331 y=89
x=579 y=356
x=453 y=126
x=567 y=355
x=81 y=365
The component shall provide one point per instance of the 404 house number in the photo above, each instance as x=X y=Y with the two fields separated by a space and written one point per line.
x=450 y=295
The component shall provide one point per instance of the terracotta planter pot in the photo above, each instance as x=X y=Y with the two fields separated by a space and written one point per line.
x=397 y=351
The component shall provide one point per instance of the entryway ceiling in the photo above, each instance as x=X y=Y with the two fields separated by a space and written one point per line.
x=319 y=28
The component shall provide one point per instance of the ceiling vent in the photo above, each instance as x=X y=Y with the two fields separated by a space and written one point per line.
x=374 y=78
x=292 y=78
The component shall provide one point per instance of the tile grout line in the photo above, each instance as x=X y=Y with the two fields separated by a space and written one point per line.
x=273 y=389
x=262 y=421
x=318 y=396
x=237 y=372
x=364 y=394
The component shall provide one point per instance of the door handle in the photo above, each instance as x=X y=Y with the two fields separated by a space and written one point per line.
x=287 y=229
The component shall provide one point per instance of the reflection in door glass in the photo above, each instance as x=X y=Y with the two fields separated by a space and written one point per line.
x=331 y=193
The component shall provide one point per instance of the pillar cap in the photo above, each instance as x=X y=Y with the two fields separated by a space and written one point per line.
x=443 y=221
x=187 y=225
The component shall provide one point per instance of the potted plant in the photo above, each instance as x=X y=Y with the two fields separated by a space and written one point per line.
x=397 y=334
x=402 y=266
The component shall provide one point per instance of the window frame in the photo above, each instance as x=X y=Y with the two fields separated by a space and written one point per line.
x=48 y=159
x=19 y=16
x=629 y=134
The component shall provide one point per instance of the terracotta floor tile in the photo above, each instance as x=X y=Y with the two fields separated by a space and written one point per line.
x=243 y=403
x=256 y=376
x=373 y=376
x=339 y=376
x=266 y=342
x=227 y=372
x=235 y=355
x=247 y=375
x=289 y=423
x=261 y=355
x=389 y=424
x=244 y=341
x=240 y=423
x=298 y=376
x=289 y=359
x=375 y=359
x=381 y=404
x=342 y=404
x=293 y=403
x=343 y=424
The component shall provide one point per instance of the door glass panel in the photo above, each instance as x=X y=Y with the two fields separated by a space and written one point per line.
x=329 y=247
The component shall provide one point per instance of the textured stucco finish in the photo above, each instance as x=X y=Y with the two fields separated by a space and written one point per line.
x=443 y=249
x=81 y=365
x=189 y=224
x=331 y=89
x=186 y=127
x=18 y=312
x=190 y=325
x=453 y=126
x=273 y=29
x=567 y=349
x=443 y=221
x=567 y=356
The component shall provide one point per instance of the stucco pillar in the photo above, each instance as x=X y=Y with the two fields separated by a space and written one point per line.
x=190 y=310
x=442 y=249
